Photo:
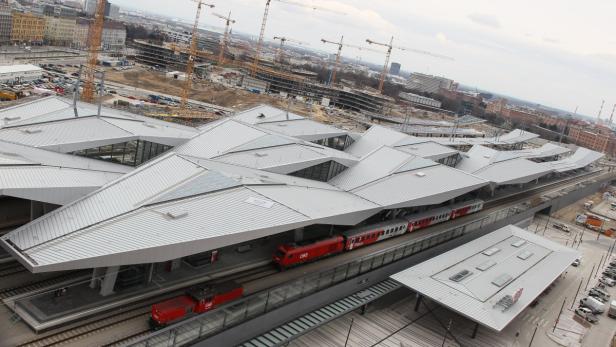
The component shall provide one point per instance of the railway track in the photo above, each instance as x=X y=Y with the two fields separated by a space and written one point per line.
x=10 y=269
x=37 y=285
x=83 y=331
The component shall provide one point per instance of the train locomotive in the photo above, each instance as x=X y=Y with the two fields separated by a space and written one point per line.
x=196 y=301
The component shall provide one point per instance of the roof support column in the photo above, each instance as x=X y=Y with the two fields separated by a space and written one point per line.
x=109 y=280
x=97 y=273
x=298 y=234
x=475 y=330
x=150 y=273
x=175 y=264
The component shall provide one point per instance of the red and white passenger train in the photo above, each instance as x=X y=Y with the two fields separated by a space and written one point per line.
x=200 y=300
x=289 y=255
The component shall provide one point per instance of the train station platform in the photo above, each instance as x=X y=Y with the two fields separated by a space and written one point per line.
x=69 y=302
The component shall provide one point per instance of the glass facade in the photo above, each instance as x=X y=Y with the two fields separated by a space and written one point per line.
x=450 y=161
x=340 y=142
x=130 y=153
x=322 y=172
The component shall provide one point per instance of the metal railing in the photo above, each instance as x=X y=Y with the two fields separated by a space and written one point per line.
x=215 y=321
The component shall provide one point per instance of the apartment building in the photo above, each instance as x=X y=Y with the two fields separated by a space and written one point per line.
x=27 y=28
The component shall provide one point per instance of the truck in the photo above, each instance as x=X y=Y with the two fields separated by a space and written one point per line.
x=593 y=222
x=612 y=310
x=593 y=304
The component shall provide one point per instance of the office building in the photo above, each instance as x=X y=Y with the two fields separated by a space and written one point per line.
x=395 y=69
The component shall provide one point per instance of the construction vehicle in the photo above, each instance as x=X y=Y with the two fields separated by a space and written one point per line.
x=7 y=95
x=95 y=39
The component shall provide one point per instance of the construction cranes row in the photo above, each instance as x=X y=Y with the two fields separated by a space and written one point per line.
x=193 y=53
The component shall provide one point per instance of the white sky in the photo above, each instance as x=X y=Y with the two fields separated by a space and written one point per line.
x=560 y=53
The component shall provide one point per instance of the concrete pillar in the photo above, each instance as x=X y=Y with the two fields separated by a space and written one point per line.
x=175 y=264
x=418 y=302
x=37 y=209
x=298 y=234
x=149 y=273
x=108 y=282
x=97 y=272
x=475 y=331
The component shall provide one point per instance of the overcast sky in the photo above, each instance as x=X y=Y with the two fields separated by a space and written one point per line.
x=560 y=53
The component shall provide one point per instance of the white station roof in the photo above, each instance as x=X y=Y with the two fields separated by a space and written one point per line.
x=36 y=174
x=378 y=136
x=504 y=167
x=578 y=160
x=227 y=183
x=288 y=123
x=514 y=137
x=473 y=278
x=50 y=123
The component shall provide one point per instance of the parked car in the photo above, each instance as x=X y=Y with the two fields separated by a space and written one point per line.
x=587 y=314
x=599 y=292
x=593 y=304
x=612 y=310
x=576 y=262
x=607 y=281
x=561 y=226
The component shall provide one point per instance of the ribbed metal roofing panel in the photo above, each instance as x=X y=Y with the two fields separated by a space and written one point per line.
x=428 y=150
x=50 y=184
x=305 y=129
x=264 y=142
x=164 y=134
x=514 y=171
x=344 y=207
x=580 y=159
x=415 y=164
x=476 y=296
x=24 y=112
x=435 y=185
x=206 y=182
x=375 y=165
x=76 y=130
x=206 y=222
x=218 y=140
x=37 y=156
x=374 y=138
x=263 y=114
x=112 y=200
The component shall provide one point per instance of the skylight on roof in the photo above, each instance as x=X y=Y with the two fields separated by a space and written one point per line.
x=518 y=243
x=485 y=265
x=502 y=280
x=8 y=118
x=525 y=255
x=491 y=251
x=460 y=275
x=176 y=215
x=420 y=174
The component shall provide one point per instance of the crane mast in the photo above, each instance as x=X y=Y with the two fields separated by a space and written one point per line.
x=225 y=40
x=190 y=64
x=96 y=34
x=260 y=42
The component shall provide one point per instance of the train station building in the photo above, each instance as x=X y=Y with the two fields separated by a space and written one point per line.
x=116 y=193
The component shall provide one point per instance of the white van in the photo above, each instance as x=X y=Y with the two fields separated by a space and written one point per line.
x=595 y=305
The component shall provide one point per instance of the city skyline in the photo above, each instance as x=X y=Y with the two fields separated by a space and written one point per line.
x=546 y=60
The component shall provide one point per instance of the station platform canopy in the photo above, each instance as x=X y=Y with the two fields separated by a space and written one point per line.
x=491 y=279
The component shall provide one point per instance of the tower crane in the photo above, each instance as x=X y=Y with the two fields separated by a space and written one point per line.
x=96 y=34
x=190 y=64
x=340 y=45
x=255 y=63
x=223 y=43
x=284 y=39
x=390 y=47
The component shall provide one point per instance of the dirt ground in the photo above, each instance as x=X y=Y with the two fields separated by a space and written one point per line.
x=569 y=213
